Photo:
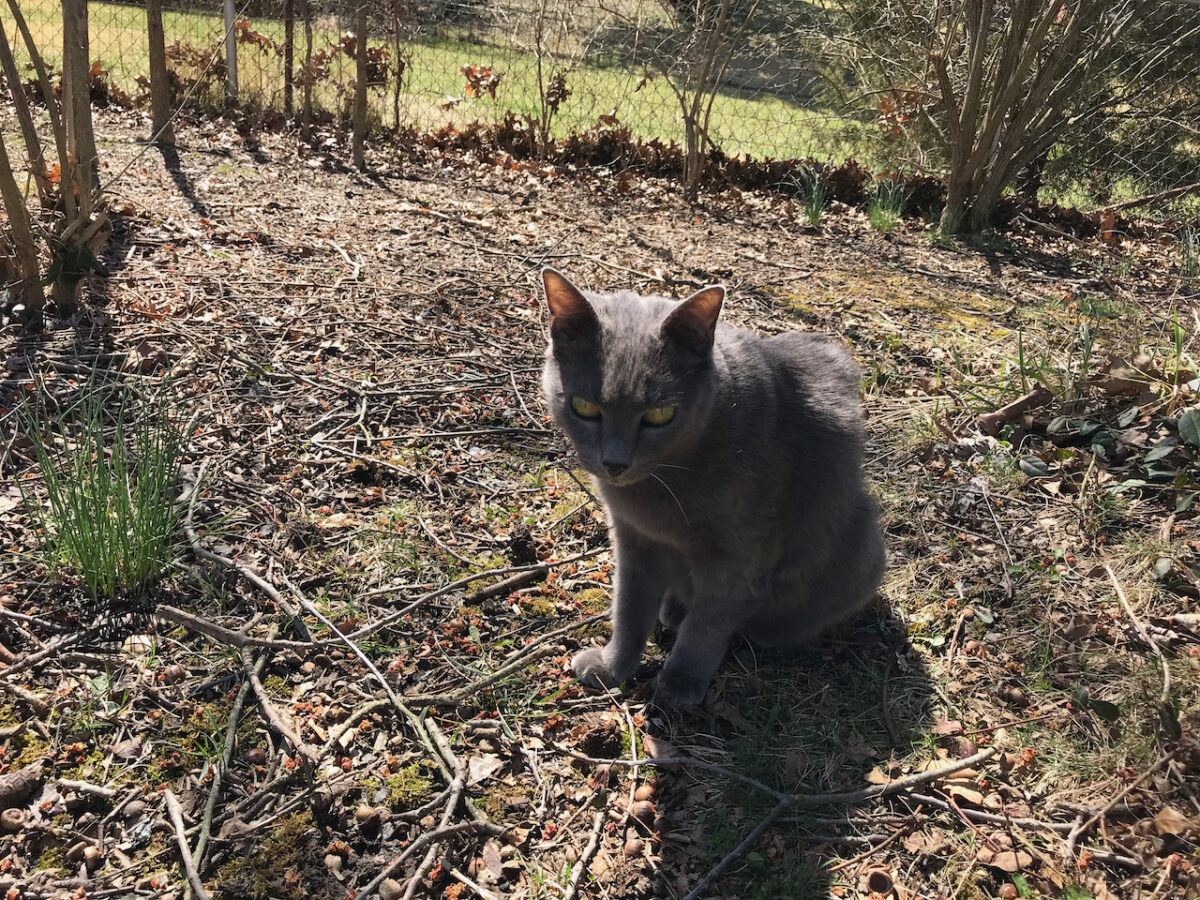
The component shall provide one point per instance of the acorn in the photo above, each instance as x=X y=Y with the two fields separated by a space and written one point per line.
x=92 y=857
x=643 y=812
x=173 y=673
x=1008 y=891
x=634 y=844
x=256 y=756
x=12 y=820
x=644 y=791
x=366 y=815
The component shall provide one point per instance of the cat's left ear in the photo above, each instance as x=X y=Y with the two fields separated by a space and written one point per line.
x=693 y=323
x=571 y=316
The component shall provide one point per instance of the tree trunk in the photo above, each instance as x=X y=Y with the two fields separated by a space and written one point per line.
x=52 y=109
x=30 y=283
x=161 y=129
x=360 y=85
x=306 y=107
x=231 y=61
x=77 y=103
x=33 y=145
x=289 y=55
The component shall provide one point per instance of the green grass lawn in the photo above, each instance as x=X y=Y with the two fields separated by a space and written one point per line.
x=759 y=126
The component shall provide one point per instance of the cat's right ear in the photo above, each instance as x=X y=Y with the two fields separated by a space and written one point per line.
x=571 y=316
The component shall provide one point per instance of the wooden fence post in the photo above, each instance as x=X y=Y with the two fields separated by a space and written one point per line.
x=360 y=86
x=160 y=84
x=231 y=72
x=289 y=54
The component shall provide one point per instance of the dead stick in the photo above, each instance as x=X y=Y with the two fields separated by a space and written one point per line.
x=270 y=712
x=1141 y=630
x=420 y=843
x=740 y=850
x=1086 y=826
x=588 y=852
x=451 y=698
x=990 y=423
x=233 y=638
x=185 y=856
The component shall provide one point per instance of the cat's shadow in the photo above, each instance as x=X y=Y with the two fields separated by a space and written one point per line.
x=817 y=719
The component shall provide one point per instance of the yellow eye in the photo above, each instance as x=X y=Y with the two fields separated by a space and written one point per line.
x=659 y=415
x=585 y=408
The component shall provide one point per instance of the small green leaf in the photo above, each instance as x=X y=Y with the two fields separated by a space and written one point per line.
x=1184 y=503
x=1034 y=467
x=1021 y=885
x=1128 y=485
x=983 y=615
x=1160 y=450
x=1059 y=425
x=1109 y=712
x=1075 y=892
x=1082 y=697
x=1125 y=419
x=1089 y=427
x=1189 y=427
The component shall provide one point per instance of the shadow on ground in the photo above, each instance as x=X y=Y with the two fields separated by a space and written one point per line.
x=815 y=720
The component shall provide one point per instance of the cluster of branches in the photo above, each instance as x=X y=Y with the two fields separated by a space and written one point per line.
x=68 y=226
x=995 y=85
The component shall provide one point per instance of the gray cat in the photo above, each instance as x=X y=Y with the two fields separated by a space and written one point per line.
x=731 y=469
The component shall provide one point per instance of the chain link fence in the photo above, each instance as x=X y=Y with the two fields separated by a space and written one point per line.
x=765 y=79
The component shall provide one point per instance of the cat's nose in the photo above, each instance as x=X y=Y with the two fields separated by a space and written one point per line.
x=615 y=469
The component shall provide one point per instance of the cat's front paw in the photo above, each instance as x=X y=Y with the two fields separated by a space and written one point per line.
x=674 y=689
x=590 y=668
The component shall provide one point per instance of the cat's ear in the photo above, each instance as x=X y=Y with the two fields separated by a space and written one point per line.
x=571 y=316
x=693 y=322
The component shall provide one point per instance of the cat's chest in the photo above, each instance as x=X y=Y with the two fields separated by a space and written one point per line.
x=677 y=515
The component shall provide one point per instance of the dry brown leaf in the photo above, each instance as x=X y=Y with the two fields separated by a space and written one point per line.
x=338 y=521
x=1005 y=860
x=15 y=787
x=1170 y=820
x=481 y=767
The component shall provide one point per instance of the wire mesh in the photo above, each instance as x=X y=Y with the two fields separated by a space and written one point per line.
x=758 y=78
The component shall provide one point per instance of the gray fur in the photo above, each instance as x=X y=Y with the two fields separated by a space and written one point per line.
x=747 y=512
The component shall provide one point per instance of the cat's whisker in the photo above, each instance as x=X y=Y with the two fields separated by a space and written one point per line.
x=670 y=466
x=673 y=497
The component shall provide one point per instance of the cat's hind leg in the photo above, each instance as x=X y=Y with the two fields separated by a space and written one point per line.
x=672 y=610
x=808 y=603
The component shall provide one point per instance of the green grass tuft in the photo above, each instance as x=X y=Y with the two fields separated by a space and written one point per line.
x=110 y=512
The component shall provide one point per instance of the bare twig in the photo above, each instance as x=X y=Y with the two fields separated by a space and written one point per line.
x=588 y=852
x=185 y=856
x=740 y=850
x=1141 y=630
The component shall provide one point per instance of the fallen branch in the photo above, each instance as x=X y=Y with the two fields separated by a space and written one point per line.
x=991 y=423
x=451 y=698
x=271 y=713
x=421 y=842
x=588 y=852
x=740 y=850
x=185 y=856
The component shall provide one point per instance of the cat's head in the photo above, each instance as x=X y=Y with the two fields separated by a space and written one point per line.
x=629 y=378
